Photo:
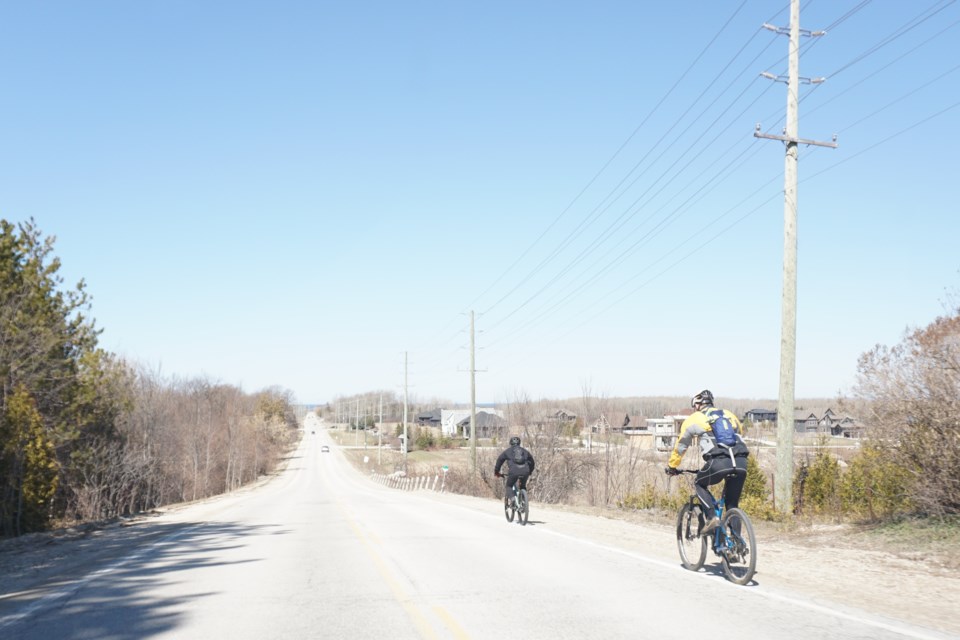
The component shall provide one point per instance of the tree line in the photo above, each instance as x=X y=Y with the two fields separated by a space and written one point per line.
x=85 y=434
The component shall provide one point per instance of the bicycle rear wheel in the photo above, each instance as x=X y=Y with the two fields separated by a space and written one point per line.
x=740 y=554
x=524 y=512
x=692 y=546
x=508 y=507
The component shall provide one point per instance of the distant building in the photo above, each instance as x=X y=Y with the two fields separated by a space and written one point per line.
x=665 y=430
x=811 y=421
x=452 y=420
x=429 y=418
x=602 y=425
x=488 y=425
x=760 y=415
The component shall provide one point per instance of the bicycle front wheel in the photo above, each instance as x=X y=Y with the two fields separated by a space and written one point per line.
x=692 y=546
x=508 y=508
x=740 y=552
x=523 y=514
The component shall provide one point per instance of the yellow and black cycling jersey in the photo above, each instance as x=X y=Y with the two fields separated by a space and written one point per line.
x=697 y=425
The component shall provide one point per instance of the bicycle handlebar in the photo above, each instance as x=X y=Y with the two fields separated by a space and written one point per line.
x=681 y=471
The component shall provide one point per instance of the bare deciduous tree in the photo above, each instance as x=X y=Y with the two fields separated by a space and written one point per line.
x=912 y=394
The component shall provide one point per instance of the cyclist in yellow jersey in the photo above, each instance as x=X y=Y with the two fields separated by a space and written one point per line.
x=722 y=461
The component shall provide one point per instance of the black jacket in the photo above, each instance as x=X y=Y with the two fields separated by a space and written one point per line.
x=510 y=455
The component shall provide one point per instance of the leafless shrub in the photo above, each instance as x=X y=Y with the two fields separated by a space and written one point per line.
x=912 y=394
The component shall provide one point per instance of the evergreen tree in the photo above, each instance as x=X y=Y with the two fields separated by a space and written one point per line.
x=44 y=338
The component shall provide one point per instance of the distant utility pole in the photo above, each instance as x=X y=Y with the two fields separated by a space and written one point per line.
x=405 y=412
x=783 y=481
x=473 y=397
x=380 y=432
x=356 y=437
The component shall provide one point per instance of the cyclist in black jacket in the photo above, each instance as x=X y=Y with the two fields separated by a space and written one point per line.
x=520 y=465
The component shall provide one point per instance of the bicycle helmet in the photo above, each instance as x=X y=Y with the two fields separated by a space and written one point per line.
x=702 y=399
x=515 y=441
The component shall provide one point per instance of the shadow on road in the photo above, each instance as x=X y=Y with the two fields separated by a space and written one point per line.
x=102 y=586
x=716 y=571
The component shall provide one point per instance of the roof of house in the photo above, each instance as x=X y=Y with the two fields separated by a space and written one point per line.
x=484 y=419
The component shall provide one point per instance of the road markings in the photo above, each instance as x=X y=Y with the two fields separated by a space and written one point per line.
x=407 y=601
x=864 y=618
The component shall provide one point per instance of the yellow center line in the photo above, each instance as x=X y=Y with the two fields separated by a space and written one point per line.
x=420 y=621
x=451 y=623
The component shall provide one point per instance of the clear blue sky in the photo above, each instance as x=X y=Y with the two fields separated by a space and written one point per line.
x=298 y=193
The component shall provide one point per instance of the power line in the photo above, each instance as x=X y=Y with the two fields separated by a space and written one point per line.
x=734 y=223
x=676 y=262
x=703 y=192
x=887 y=139
x=615 y=226
x=573 y=233
x=625 y=216
x=596 y=176
x=900 y=32
x=897 y=34
x=836 y=23
x=881 y=69
x=902 y=98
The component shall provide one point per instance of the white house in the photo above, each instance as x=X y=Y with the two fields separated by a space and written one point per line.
x=450 y=418
x=665 y=430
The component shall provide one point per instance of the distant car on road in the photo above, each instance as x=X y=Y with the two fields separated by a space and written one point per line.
x=324 y=449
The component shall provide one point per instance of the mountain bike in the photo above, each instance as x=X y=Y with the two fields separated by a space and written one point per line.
x=519 y=506
x=733 y=541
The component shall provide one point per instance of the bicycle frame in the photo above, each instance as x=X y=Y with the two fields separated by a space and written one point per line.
x=733 y=541
x=720 y=541
x=718 y=537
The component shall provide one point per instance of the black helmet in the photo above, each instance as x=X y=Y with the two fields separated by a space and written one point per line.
x=701 y=399
x=515 y=441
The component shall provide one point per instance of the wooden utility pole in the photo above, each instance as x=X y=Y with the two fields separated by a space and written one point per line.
x=405 y=447
x=380 y=432
x=473 y=397
x=783 y=487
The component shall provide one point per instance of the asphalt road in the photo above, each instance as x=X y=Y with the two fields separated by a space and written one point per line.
x=323 y=552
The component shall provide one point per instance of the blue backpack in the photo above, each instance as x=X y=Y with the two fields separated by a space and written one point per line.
x=723 y=431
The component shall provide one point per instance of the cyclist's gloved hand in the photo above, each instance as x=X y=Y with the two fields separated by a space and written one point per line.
x=670 y=471
x=498 y=474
